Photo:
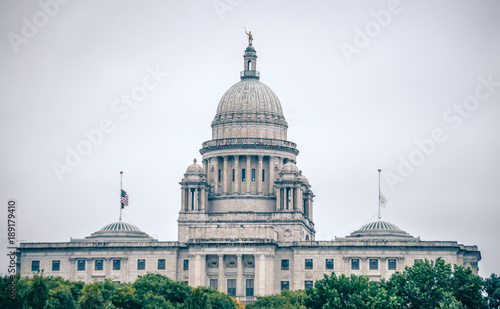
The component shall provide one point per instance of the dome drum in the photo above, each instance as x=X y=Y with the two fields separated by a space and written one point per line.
x=249 y=143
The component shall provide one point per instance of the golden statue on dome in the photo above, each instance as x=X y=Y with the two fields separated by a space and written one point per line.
x=250 y=37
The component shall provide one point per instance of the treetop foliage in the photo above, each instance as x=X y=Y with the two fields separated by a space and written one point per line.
x=425 y=285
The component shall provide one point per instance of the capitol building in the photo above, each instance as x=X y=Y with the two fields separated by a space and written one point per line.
x=246 y=218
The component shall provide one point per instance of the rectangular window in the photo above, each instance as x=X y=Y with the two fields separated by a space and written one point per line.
x=117 y=264
x=373 y=264
x=285 y=264
x=35 y=265
x=214 y=284
x=98 y=265
x=141 y=264
x=186 y=265
x=253 y=174
x=80 y=266
x=355 y=264
x=219 y=176
x=231 y=287
x=233 y=174
x=329 y=263
x=263 y=175
x=243 y=174
x=417 y=261
x=162 y=263
x=391 y=264
x=309 y=264
x=249 y=290
x=308 y=284
x=56 y=265
x=285 y=285
x=186 y=282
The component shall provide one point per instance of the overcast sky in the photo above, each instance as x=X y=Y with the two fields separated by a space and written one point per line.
x=412 y=88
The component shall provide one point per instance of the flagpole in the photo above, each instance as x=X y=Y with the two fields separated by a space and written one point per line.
x=121 y=176
x=379 y=170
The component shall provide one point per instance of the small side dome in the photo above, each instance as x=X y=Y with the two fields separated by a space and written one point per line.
x=304 y=178
x=289 y=168
x=380 y=225
x=120 y=226
x=380 y=229
x=195 y=169
x=119 y=231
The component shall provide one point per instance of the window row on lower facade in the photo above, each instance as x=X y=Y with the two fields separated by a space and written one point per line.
x=285 y=285
x=98 y=264
x=329 y=264
x=231 y=286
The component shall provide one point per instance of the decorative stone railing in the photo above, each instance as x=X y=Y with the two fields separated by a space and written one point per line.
x=250 y=74
x=247 y=142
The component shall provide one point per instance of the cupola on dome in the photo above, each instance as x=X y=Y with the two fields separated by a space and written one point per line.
x=289 y=168
x=195 y=169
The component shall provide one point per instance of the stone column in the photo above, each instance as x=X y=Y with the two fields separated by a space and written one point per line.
x=310 y=209
x=107 y=268
x=216 y=175
x=236 y=184
x=183 y=199
x=346 y=266
x=202 y=199
x=270 y=272
x=197 y=272
x=90 y=268
x=124 y=269
x=72 y=269
x=278 y=199
x=239 y=276
x=300 y=200
x=190 y=199
x=248 y=174
x=221 y=273
x=383 y=267
x=196 y=199
x=364 y=266
x=203 y=270
x=224 y=176
x=258 y=176
x=270 y=179
x=261 y=284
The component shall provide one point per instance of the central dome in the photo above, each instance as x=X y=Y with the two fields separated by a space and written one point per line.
x=249 y=109
x=250 y=96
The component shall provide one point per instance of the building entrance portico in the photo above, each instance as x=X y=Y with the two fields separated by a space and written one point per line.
x=241 y=274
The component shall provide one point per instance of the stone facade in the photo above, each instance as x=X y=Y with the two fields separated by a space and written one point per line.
x=245 y=223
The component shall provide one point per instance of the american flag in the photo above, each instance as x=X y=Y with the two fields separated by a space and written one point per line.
x=124 y=199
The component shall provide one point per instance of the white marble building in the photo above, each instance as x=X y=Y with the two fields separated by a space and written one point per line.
x=245 y=224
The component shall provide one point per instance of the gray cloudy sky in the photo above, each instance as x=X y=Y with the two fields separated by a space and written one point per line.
x=411 y=87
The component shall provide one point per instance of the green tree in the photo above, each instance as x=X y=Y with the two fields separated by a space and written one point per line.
x=92 y=297
x=491 y=287
x=345 y=292
x=216 y=299
x=198 y=299
x=287 y=299
x=36 y=293
x=467 y=288
x=172 y=291
x=60 y=296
